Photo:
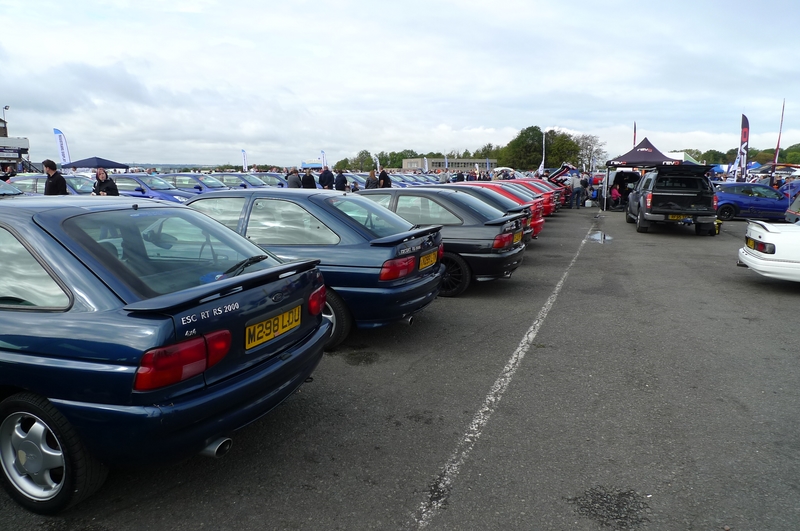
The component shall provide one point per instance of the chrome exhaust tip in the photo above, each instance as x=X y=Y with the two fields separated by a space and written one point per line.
x=409 y=320
x=218 y=448
x=740 y=263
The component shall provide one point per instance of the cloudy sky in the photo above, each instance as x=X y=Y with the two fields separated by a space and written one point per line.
x=197 y=81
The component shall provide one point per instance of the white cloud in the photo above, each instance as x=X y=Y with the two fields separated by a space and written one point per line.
x=197 y=81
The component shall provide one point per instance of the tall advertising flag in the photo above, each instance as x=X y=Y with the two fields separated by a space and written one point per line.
x=777 y=148
x=63 y=149
x=487 y=164
x=244 y=160
x=742 y=173
x=324 y=159
x=377 y=164
x=634 y=134
x=425 y=164
x=445 y=162
x=540 y=169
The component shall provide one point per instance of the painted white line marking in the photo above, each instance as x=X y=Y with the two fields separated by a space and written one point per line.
x=439 y=491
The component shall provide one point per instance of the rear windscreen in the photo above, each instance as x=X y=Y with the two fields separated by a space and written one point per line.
x=683 y=183
x=164 y=250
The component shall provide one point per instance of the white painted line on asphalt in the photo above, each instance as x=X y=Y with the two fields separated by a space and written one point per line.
x=439 y=492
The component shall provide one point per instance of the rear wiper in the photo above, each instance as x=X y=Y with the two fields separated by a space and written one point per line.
x=244 y=264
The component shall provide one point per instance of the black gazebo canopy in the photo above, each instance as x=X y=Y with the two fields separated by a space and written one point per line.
x=96 y=162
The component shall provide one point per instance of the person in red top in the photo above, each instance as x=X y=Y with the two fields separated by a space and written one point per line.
x=616 y=197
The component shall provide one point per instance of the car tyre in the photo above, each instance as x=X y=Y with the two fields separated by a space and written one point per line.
x=628 y=216
x=57 y=471
x=705 y=229
x=457 y=275
x=641 y=224
x=726 y=212
x=336 y=311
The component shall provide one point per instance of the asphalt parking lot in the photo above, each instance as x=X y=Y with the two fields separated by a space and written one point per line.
x=617 y=380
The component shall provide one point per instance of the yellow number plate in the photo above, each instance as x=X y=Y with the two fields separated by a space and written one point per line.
x=678 y=216
x=271 y=328
x=427 y=260
x=750 y=242
x=517 y=236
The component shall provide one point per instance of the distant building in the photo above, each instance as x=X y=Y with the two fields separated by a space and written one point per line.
x=452 y=164
x=12 y=149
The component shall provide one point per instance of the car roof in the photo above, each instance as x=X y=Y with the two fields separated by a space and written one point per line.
x=32 y=204
x=272 y=191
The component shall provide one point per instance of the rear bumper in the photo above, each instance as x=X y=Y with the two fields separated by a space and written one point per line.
x=130 y=435
x=537 y=225
x=490 y=266
x=375 y=307
x=696 y=218
x=785 y=270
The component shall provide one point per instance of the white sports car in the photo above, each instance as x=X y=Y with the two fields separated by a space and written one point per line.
x=772 y=250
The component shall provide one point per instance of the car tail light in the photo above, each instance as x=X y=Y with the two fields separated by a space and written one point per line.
x=219 y=343
x=503 y=240
x=761 y=247
x=398 y=268
x=649 y=199
x=716 y=201
x=316 y=301
x=441 y=250
x=169 y=365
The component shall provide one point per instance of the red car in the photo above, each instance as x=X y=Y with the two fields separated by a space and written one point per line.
x=536 y=205
x=551 y=204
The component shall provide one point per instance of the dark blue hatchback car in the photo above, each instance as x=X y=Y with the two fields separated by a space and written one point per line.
x=133 y=331
x=378 y=267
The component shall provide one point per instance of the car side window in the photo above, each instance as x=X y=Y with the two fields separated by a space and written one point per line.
x=279 y=222
x=182 y=181
x=24 y=282
x=382 y=199
x=126 y=183
x=424 y=211
x=26 y=185
x=226 y=210
x=646 y=183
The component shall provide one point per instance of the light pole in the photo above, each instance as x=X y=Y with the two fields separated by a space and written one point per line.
x=4 y=114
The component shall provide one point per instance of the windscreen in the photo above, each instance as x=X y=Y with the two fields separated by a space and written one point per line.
x=155 y=251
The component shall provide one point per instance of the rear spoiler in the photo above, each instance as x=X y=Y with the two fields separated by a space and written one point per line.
x=520 y=209
x=504 y=219
x=220 y=288
x=400 y=237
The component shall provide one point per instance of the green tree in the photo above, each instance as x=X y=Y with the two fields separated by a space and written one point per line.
x=712 y=156
x=363 y=161
x=525 y=150
x=343 y=164
x=561 y=147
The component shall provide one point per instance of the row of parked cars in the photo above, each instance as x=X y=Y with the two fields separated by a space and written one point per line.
x=142 y=331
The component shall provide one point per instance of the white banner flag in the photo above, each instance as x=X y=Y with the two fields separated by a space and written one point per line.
x=244 y=160
x=425 y=165
x=63 y=150
x=324 y=159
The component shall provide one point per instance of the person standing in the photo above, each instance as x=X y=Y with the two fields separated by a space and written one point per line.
x=294 y=179
x=55 y=183
x=104 y=185
x=444 y=177
x=326 y=179
x=372 y=181
x=308 y=180
x=577 y=191
x=459 y=177
x=340 y=183
x=384 y=181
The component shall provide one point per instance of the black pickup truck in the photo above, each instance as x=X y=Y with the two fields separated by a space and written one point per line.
x=674 y=194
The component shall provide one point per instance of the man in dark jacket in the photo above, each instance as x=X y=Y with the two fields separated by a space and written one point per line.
x=459 y=177
x=340 y=182
x=55 y=184
x=326 y=179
